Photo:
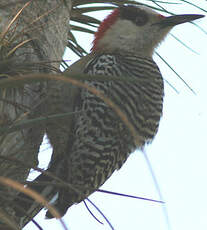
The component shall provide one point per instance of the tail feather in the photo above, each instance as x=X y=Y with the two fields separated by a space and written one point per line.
x=62 y=203
x=26 y=203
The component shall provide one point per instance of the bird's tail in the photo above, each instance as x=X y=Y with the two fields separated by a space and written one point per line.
x=44 y=186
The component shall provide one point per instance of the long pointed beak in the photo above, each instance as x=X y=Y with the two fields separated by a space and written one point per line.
x=178 y=19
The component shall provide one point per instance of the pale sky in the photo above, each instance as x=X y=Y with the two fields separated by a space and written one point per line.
x=178 y=154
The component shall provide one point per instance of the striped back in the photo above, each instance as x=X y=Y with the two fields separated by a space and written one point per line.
x=102 y=142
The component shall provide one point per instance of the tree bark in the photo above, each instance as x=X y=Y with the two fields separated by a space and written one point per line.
x=33 y=43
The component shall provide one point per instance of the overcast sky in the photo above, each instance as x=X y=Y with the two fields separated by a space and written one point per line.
x=178 y=154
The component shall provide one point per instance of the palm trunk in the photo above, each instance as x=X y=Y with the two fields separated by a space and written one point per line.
x=33 y=43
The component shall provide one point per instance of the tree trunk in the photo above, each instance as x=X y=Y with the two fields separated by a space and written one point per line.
x=32 y=43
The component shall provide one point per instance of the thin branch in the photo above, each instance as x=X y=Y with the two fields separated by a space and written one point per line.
x=92 y=213
x=158 y=190
x=176 y=73
x=110 y=225
x=130 y=196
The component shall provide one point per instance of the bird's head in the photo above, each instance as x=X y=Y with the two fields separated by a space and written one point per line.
x=135 y=29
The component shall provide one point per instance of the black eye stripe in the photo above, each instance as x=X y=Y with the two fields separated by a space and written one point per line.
x=134 y=14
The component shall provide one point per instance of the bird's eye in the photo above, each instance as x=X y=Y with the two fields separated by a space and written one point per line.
x=141 y=20
x=134 y=14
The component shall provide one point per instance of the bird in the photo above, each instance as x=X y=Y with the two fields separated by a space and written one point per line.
x=98 y=141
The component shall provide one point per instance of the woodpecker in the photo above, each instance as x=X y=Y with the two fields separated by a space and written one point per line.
x=101 y=142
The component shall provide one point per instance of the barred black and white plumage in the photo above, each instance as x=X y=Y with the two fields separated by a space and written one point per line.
x=102 y=142
x=88 y=148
